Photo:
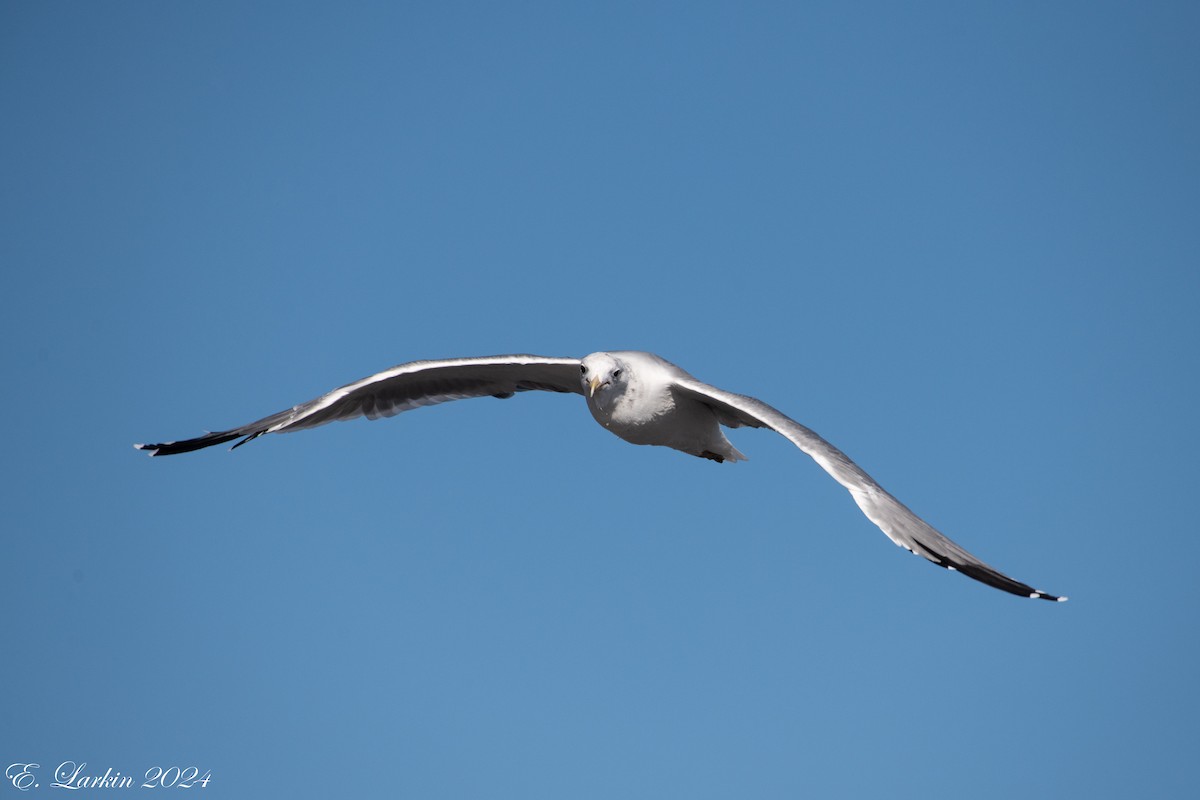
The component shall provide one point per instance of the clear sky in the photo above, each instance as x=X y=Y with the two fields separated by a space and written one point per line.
x=959 y=240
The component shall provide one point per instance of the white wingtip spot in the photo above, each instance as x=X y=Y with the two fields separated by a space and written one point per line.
x=1036 y=594
x=952 y=568
x=1063 y=599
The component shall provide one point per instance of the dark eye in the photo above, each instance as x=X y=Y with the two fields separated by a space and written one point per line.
x=583 y=368
x=616 y=373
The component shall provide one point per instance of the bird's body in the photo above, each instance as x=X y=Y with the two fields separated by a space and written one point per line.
x=647 y=411
x=637 y=396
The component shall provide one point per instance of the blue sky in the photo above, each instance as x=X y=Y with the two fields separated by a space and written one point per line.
x=958 y=240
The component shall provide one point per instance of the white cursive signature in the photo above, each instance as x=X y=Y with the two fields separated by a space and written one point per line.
x=70 y=775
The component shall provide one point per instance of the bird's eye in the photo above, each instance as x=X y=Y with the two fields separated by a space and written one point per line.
x=583 y=368
x=616 y=373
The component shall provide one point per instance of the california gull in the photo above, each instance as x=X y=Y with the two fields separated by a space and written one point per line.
x=639 y=397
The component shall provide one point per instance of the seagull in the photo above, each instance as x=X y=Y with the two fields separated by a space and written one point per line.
x=640 y=397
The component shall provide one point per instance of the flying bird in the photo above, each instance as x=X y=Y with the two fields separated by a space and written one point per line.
x=640 y=397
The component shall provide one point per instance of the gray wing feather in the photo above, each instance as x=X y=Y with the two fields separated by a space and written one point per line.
x=895 y=519
x=403 y=388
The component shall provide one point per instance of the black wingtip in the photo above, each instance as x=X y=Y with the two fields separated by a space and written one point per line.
x=188 y=445
x=1003 y=582
x=985 y=574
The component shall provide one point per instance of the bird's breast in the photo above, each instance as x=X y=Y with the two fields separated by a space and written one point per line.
x=635 y=416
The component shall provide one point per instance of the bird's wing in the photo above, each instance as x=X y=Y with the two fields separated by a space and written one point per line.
x=402 y=388
x=894 y=518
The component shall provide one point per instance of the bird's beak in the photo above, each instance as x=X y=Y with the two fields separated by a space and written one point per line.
x=593 y=384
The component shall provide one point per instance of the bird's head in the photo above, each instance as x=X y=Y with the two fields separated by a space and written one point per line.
x=600 y=373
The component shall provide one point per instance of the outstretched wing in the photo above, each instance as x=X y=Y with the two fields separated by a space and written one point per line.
x=402 y=388
x=894 y=518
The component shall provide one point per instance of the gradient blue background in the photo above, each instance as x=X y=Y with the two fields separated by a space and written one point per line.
x=958 y=240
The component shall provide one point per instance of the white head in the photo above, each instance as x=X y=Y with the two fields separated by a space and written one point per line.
x=600 y=374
